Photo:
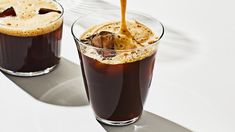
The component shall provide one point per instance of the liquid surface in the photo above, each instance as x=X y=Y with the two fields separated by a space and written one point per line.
x=143 y=39
x=33 y=17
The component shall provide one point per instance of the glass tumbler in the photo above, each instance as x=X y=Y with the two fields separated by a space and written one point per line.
x=31 y=50
x=117 y=91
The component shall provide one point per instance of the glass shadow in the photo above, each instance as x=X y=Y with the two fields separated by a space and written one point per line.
x=149 y=122
x=63 y=86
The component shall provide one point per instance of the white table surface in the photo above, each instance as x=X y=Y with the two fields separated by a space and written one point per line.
x=19 y=112
x=194 y=74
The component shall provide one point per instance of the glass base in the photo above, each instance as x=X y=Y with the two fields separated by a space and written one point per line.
x=117 y=123
x=28 y=74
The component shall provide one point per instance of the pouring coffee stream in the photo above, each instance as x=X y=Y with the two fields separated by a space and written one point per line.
x=124 y=35
x=123 y=29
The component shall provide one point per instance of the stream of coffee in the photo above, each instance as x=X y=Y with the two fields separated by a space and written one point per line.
x=123 y=29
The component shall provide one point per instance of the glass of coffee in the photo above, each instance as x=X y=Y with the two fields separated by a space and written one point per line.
x=117 y=70
x=30 y=36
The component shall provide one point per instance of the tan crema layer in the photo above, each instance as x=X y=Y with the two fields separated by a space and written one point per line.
x=144 y=40
x=27 y=21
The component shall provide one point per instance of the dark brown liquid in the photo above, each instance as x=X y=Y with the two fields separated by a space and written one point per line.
x=30 y=54
x=117 y=92
x=83 y=72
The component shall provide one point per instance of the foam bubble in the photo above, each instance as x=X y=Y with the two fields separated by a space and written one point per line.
x=27 y=21
x=144 y=39
x=121 y=57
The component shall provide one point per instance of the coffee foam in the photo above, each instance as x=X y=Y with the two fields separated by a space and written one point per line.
x=146 y=45
x=140 y=33
x=121 y=57
x=27 y=21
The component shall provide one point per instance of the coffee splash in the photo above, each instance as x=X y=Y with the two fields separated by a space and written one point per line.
x=125 y=40
x=8 y=12
x=124 y=30
x=46 y=10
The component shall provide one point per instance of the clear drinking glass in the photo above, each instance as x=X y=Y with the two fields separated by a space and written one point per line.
x=117 y=90
x=31 y=54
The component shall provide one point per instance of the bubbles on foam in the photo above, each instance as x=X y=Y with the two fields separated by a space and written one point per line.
x=121 y=57
x=143 y=35
x=140 y=33
x=28 y=22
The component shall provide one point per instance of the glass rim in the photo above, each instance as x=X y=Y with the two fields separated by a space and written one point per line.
x=61 y=15
x=110 y=12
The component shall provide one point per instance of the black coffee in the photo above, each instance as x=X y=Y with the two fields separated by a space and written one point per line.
x=30 y=54
x=117 y=92
x=30 y=36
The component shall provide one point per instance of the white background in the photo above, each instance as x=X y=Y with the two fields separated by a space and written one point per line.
x=194 y=74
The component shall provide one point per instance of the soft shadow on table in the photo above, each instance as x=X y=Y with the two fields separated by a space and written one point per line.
x=149 y=122
x=64 y=86
x=177 y=46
